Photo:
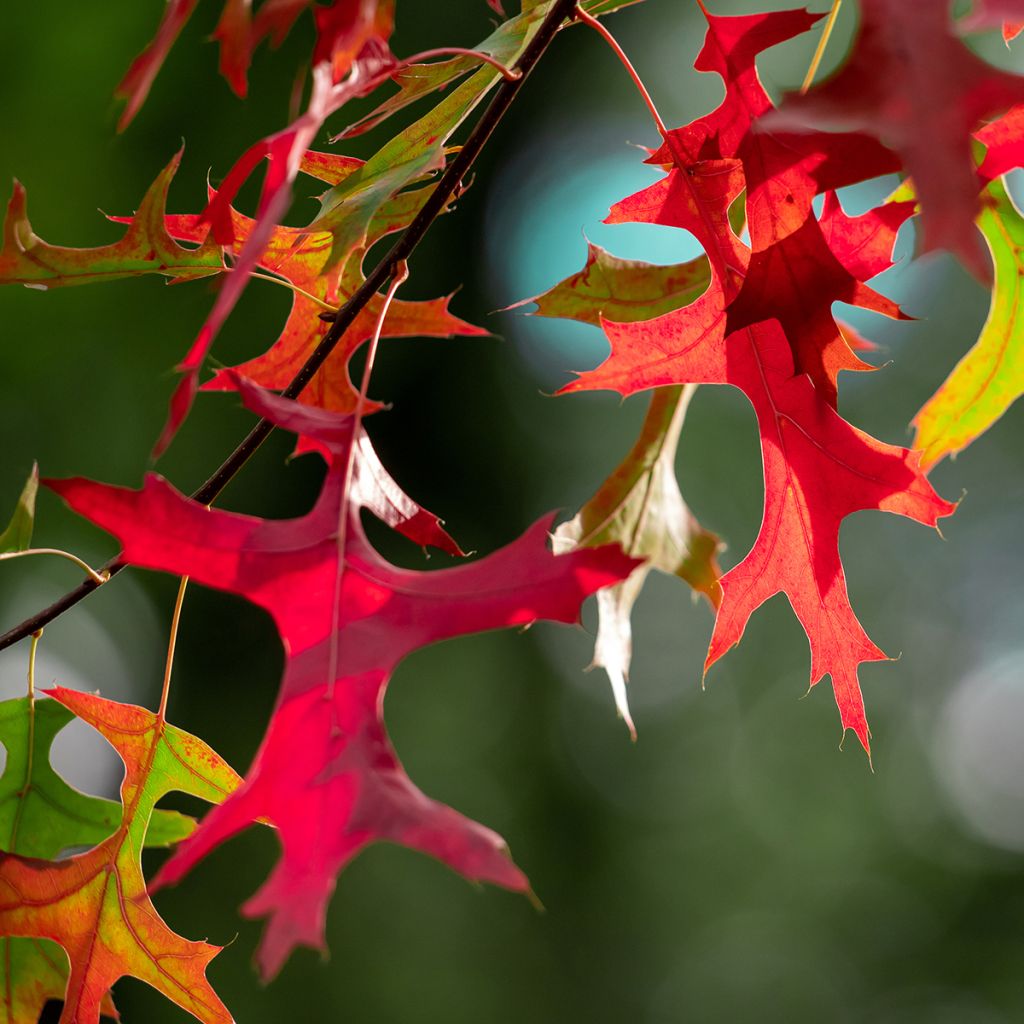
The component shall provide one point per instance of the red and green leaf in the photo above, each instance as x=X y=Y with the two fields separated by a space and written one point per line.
x=95 y=904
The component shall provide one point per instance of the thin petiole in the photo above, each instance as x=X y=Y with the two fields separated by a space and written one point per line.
x=97 y=577
x=171 y=643
x=401 y=274
x=819 y=51
x=589 y=19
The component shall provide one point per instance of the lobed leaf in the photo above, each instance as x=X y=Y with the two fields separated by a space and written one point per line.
x=95 y=904
x=146 y=248
x=326 y=774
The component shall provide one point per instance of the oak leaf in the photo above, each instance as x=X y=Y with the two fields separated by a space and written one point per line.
x=343 y=30
x=96 y=904
x=912 y=83
x=641 y=508
x=40 y=816
x=326 y=774
x=299 y=257
x=817 y=467
x=146 y=247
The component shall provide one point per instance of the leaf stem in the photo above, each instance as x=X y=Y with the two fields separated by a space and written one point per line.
x=171 y=644
x=448 y=184
x=401 y=275
x=98 y=577
x=589 y=19
x=12 y=844
x=36 y=636
x=819 y=51
x=291 y=287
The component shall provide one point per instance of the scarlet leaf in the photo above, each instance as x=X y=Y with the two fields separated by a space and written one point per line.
x=817 y=470
x=817 y=467
x=325 y=773
x=990 y=377
x=912 y=83
x=95 y=904
x=792 y=275
x=135 y=86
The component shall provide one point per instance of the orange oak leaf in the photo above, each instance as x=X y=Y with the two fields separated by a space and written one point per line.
x=300 y=257
x=326 y=774
x=95 y=904
x=41 y=816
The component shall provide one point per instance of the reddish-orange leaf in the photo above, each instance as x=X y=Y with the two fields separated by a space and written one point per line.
x=344 y=29
x=300 y=257
x=95 y=904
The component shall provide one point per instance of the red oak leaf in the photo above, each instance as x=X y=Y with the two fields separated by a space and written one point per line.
x=782 y=172
x=912 y=83
x=817 y=470
x=797 y=279
x=326 y=774
x=1004 y=144
x=793 y=275
x=135 y=86
x=763 y=323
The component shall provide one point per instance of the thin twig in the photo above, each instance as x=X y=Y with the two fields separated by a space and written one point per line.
x=447 y=186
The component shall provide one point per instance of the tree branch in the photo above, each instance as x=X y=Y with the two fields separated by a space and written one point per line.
x=447 y=186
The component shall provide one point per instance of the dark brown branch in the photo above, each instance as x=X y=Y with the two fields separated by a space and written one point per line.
x=447 y=186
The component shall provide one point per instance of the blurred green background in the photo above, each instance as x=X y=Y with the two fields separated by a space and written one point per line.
x=733 y=865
